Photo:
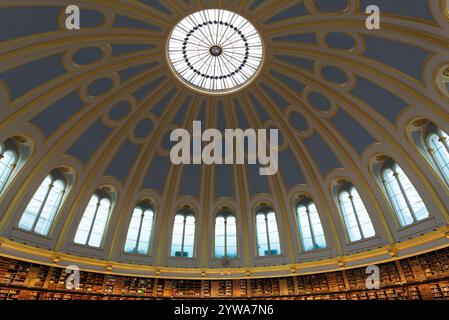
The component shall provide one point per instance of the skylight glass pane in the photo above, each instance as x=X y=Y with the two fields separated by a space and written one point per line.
x=215 y=50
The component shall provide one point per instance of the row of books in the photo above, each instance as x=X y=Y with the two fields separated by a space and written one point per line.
x=422 y=277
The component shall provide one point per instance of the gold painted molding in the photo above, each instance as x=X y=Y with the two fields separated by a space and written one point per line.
x=14 y=250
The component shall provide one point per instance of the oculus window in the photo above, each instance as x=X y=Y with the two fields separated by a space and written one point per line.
x=215 y=51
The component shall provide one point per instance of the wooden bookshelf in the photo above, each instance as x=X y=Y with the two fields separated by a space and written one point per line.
x=422 y=277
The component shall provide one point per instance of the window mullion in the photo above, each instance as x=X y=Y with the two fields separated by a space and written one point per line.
x=268 y=235
x=139 y=231
x=50 y=186
x=8 y=176
x=226 y=236
x=183 y=235
x=59 y=203
x=432 y=152
x=356 y=216
x=404 y=194
x=310 y=226
x=443 y=141
x=93 y=222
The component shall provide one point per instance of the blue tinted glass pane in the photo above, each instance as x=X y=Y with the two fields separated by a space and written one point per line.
x=100 y=223
x=34 y=206
x=50 y=208
x=86 y=221
x=133 y=231
x=364 y=218
x=349 y=217
x=275 y=244
x=7 y=162
x=304 y=228
x=262 y=237
x=397 y=198
x=417 y=204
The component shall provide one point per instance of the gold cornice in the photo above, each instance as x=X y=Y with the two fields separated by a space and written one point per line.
x=19 y=251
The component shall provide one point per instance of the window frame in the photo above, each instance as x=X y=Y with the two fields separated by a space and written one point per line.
x=101 y=195
x=225 y=213
x=14 y=165
x=144 y=206
x=265 y=211
x=185 y=213
x=391 y=165
x=349 y=188
x=306 y=202
x=54 y=176
x=437 y=132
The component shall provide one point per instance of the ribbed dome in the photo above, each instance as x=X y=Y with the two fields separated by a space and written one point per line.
x=97 y=105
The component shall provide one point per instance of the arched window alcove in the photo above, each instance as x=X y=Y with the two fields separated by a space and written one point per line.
x=309 y=225
x=13 y=154
x=45 y=204
x=267 y=234
x=225 y=245
x=356 y=219
x=138 y=238
x=183 y=237
x=92 y=227
x=405 y=200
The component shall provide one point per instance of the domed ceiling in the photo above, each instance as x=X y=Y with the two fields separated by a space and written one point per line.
x=100 y=103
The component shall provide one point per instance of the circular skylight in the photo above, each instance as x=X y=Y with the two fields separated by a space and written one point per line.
x=215 y=51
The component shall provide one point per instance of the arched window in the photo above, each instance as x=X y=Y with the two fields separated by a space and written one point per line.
x=41 y=211
x=355 y=216
x=95 y=218
x=140 y=229
x=403 y=196
x=309 y=224
x=8 y=162
x=438 y=146
x=183 y=241
x=225 y=235
x=267 y=232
